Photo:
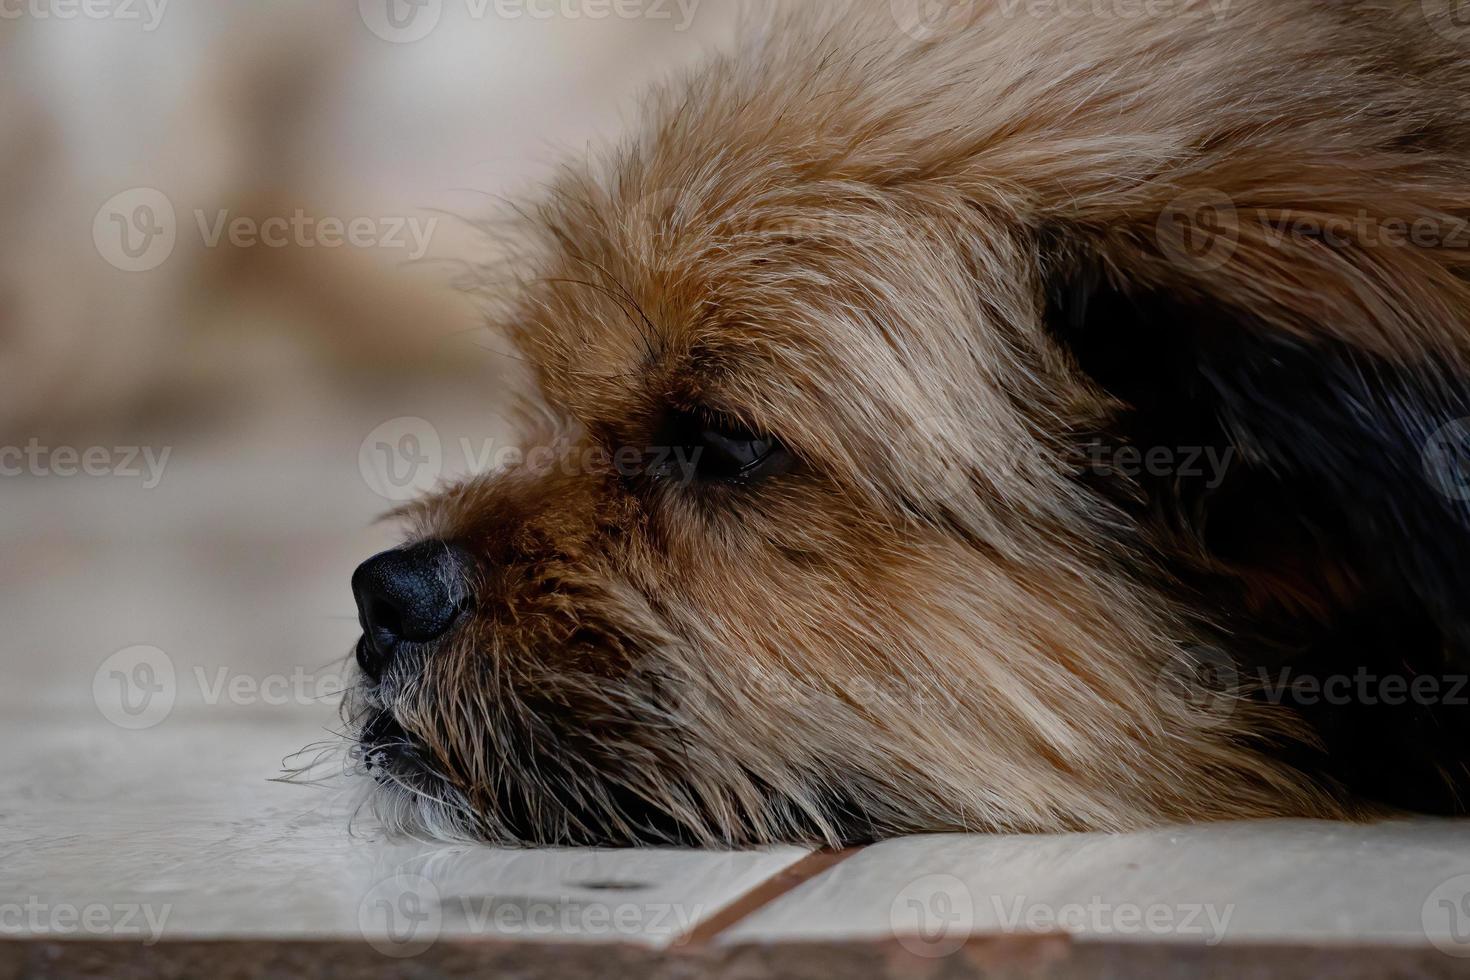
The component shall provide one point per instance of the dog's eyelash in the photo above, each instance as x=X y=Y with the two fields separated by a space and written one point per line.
x=717 y=448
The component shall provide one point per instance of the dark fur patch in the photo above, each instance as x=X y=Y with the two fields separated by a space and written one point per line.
x=1331 y=561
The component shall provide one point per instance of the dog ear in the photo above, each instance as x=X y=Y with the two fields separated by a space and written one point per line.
x=1326 y=381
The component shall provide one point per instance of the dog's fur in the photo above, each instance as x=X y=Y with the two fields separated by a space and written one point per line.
x=939 y=265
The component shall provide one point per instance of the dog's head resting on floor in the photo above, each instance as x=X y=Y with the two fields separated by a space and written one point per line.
x=925 y=409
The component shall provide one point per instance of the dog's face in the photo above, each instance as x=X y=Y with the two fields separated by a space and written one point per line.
x=803 y=551
x=707 y=605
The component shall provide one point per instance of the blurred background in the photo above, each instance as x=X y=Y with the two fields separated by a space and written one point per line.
x=229 y=333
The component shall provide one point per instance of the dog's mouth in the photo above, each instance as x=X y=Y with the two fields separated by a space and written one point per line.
x=381 y=744
x=554 y=784
x=544 y=787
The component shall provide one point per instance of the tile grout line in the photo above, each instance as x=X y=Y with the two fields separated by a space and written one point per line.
x=759 y=896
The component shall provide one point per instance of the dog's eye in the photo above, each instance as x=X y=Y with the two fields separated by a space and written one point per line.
x=717 y=448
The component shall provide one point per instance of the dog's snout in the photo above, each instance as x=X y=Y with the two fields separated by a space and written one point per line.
x=409 y=594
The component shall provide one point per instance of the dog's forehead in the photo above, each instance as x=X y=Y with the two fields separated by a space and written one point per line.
x=624 y=316
x=841 y=316
x=621 y=327
x=608 y=349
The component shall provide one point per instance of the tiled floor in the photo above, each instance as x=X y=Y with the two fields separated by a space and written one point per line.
x=148 y=838
x=170 y=836
x=180 y=822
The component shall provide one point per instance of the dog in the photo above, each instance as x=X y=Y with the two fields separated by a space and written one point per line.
x=995 y=417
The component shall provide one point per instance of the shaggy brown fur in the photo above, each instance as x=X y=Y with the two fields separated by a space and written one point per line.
x=926 y=272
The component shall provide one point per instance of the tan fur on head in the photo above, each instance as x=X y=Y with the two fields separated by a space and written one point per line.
x=848 y=238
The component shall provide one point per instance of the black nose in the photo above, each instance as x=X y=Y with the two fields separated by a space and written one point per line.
x=410 y=595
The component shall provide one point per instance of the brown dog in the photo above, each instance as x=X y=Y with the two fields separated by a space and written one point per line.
x=1004 y=422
